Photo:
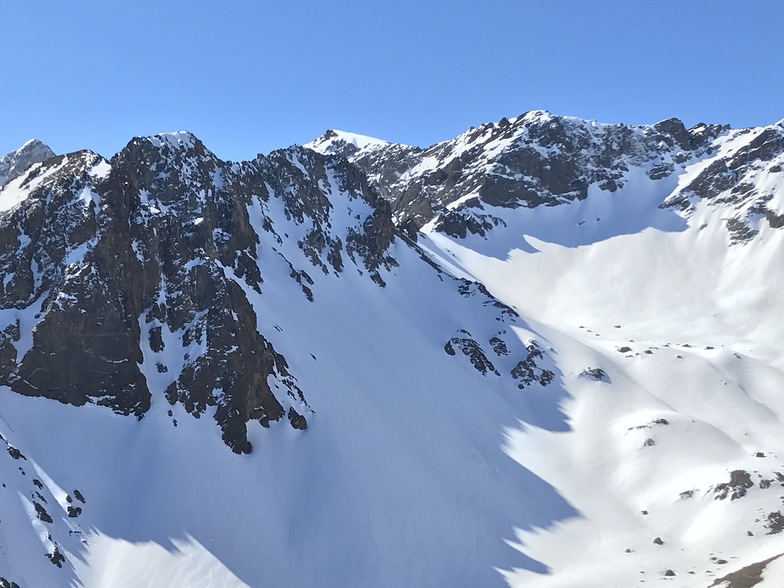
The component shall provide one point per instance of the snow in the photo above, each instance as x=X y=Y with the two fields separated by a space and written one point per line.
x=88 y=195
x=12 y=194
x=773 y=574
x=185 y=563
x=379 y=494
x=101 y=170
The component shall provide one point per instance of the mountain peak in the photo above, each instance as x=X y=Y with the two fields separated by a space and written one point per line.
x=32 y=145
x=13 y=164
x=537 y=116
x=176 y=140
x=344 y=143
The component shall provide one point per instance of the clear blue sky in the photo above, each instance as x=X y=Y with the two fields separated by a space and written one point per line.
x=251 y=76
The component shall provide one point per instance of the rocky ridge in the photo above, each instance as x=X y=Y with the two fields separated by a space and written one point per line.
x=530 y=160
x=130 y=277
x=539 y=159
x=112 y=268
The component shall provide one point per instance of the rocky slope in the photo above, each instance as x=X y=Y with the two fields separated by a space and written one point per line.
x=530 y=160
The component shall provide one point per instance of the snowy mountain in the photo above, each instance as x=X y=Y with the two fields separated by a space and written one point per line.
x=544 y=353
x=17 y=162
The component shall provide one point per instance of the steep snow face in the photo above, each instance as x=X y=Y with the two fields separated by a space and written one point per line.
x=402 y=450
x=14 y=164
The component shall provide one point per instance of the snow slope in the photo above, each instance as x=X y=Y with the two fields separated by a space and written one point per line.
x=398 y=478
x=683 y=324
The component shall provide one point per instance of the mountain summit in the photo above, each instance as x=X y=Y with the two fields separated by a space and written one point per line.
x=543 y=353
x=15 y=163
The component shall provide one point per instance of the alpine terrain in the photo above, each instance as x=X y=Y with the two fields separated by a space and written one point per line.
x=546 y=353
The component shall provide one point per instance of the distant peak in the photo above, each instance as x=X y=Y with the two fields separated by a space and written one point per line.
x=15 y=163
x=33 y=144
x=537 y=116
x=175 y=140
x=336 y=141
x=34 y=148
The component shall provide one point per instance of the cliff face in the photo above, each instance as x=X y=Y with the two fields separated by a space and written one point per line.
x=120 y=271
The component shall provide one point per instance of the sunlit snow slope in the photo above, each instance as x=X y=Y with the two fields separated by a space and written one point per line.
x=675 y=456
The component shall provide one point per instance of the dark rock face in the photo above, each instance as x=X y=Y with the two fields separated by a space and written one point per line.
x=731 y=181
x=596 y=374
x=499 y=346
x=150 y=259
x=41 y=513
x=56 y=557
x=745 y=577
x=473 y=351
x=297 y=420
x=528 y=370
x=740 y=482
x=774 y=523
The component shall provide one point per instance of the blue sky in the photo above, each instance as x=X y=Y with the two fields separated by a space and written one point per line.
x=251 y=76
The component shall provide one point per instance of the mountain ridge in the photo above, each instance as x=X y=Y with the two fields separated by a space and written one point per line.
x=544 y=331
